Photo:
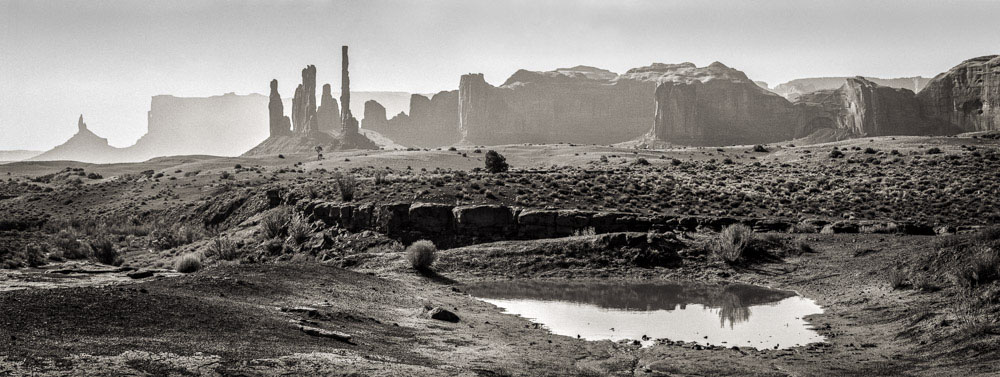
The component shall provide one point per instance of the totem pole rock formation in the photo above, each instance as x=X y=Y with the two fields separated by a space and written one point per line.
x=349 y=124
x=328 y=113
x=279 y=123
x=304 y=103
x=80 y=126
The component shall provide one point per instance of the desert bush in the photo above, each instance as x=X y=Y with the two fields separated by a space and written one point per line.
x=71 y=247
x=759 y=148
x=588 y=231
x=836 y=153
x=94 y=176
x=421 y=254
x=299 y=229
x=495 y=162
x=274 y=224
x=934 y=150
x=188 y=263
x=347 y=185
x=732 y=243
x=104 y=251
x=223 y=248
x=175 y=235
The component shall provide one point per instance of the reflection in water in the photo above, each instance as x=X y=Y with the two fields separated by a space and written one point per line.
x=733 y=300
x=620 y=310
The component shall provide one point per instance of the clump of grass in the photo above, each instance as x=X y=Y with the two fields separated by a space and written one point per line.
x=983 y=269
x=188 y=263
x=224 y=248
x=348 y=185
x=299 y=229
x=421 y=255
x=274 y=224
x=104 y=252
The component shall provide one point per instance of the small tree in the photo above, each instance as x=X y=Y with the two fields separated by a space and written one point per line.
x=495 y=162
x=319 y=152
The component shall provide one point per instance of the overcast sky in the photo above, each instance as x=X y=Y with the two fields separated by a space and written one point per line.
x=105 y=59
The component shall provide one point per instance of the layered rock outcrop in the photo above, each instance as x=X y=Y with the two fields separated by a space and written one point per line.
x=450 y=226
x=432 y=122
x=579 y=105
x=966 y=97
x=795 y=88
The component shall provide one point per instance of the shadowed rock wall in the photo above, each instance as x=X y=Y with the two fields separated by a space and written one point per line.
x=966 y=97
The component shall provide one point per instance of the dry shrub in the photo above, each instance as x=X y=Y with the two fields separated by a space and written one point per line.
x=421 y=254
x=733 y=243
x=104 y=251
x=188 y=263
x=224 y=248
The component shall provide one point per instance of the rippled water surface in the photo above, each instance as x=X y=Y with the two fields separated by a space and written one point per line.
x=724 y=315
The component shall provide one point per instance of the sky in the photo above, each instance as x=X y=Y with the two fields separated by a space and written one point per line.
x=106 y=59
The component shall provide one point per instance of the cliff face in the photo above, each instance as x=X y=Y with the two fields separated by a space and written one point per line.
x=795 y=88
x=864 y=108
x=225 y=125
x=577 y=105
x=715 y=105
x=966 y=97
x=432 y=122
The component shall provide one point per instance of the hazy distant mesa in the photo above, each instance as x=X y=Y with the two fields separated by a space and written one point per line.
x=652 y=106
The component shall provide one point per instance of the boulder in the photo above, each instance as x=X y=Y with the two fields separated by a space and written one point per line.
x=494 y=221
x=442 y=314
x=431 y=218
x=841 y=227
x=535 y=223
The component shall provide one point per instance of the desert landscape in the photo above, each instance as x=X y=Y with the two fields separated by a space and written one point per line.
x=670 y=220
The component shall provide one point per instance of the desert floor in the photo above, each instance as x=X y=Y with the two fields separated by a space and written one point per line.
x=895 y=303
